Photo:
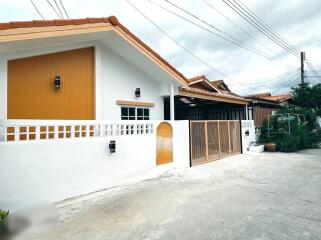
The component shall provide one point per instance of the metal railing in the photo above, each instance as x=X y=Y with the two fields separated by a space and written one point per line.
x=27 y=130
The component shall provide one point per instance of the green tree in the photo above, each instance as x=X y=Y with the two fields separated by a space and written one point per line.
x=307 y=96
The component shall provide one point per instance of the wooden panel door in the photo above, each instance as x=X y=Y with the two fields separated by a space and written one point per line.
x=31 y=90
x=164 y=144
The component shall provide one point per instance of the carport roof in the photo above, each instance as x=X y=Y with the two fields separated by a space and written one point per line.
x=203 y=94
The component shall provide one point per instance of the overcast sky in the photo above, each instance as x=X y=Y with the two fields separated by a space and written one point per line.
x=298 y=21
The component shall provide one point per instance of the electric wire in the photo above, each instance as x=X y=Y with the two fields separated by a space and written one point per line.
x=35 y=7
x=59 y=9
x=226 y=37
x=264 y=26
x=182 y=46
x=52 y=7
x=208 y=30
x=256 y=26
x=238 y=26
x=267 y=26
x=271 y=80
x=64 y=9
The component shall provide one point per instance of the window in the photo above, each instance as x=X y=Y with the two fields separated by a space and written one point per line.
x=134 y=113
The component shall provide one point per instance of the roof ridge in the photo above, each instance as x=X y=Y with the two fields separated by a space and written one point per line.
x=57 y=22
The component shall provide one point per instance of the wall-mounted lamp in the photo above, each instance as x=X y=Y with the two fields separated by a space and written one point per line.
x=137 y=92
x=112 y=146
x=57 y=82
x=247 y=132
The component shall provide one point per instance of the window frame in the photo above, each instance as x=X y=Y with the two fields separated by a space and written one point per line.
x=144 y=116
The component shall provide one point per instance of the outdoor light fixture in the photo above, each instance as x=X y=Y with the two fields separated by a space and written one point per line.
x=185 y=100
x=247 y=133
x=112 y=146
x=137 y=92
x=57 y=82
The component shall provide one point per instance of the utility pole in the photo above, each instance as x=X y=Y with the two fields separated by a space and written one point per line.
x=302 y=66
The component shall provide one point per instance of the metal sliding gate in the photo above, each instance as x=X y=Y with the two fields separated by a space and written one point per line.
x=214 y=139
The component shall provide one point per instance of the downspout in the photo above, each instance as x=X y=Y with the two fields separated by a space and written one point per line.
x=172 y=103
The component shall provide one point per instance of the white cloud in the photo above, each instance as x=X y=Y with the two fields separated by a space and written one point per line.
x=298 y=22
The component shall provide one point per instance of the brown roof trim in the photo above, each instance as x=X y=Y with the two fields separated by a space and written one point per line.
x=197 y=78
x=267 y=94
x=56 y=22
x=149 y=49
x=212 y=96
x=112 y=20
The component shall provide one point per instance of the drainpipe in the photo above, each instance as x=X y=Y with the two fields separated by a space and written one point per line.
x=172 y=107
x=247 y=112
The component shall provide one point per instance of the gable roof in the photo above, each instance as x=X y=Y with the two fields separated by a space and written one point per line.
x=215 y=96
x=280 y=98
x=22 y=30
x=220 y=84
x=268 y=96
x=202 y=79
x=222 y=92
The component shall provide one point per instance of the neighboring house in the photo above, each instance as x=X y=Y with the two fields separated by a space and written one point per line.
x=264 y=105
x=207 y=100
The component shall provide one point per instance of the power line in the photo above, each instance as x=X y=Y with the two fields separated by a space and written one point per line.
x=287 y=83
x=263 y=25
x=52 y=7
x=227 y=37
x=280 y=78
x=174 y=40
x=180 y=45
x=33 y=4
x=241 y=13
x=267 y=26
x=63 y=7
x=59 y=9
x=236 y=25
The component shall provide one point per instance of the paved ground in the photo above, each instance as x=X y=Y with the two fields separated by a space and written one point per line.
x=257 y=196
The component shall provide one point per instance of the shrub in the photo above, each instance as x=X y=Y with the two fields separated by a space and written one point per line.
x=3 y=215
x=304 y=131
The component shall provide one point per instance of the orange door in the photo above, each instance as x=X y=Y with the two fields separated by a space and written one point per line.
x=164 y=144
x=31 y=89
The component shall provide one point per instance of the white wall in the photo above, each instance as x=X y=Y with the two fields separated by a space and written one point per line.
x=119 y=81
x=53 y=170
x=115 y=78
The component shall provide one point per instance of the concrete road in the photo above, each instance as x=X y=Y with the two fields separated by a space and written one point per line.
x=252 y=196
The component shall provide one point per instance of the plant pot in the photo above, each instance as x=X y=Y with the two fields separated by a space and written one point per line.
x=270 y=147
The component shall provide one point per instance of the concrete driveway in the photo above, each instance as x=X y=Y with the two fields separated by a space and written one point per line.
x=250 y=196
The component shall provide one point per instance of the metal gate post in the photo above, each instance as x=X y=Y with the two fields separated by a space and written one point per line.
x=190 y=143
x=206 y=141
x=241 y=136
x=219 y=139
x=229 y=137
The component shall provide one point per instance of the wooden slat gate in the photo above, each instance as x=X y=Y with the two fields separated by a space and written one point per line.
x=214 y=139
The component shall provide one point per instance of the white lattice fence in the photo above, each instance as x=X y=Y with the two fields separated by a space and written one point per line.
x=25 y=130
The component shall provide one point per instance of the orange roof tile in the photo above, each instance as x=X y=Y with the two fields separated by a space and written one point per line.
x=61 y=22
x=112 y=20
x=279 y=98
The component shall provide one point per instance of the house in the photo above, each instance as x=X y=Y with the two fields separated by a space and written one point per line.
x=94 y=55
x=207 y=100
x=264 y=104
x=86 y=105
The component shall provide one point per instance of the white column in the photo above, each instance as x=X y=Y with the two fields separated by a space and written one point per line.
x=172 y=105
